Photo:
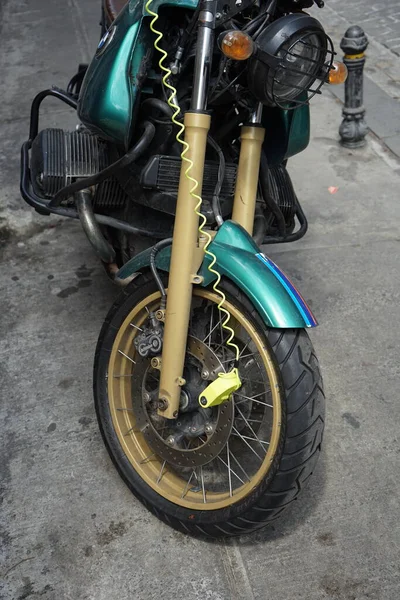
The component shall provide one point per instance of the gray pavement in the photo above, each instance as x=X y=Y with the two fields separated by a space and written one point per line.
x=380 y=17
x=71 y=529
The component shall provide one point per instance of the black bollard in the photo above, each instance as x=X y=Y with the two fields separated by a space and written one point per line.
x=354 y=128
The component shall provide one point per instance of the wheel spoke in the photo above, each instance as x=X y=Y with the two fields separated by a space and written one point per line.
x=131 y=430
x=256 y=395
x=135 y=326
x=243 y=349
x=211 y=320
x=186 y=488
x=246 y=437
x=202 y=485
x=232 y=471
x=252 y=399
x=252 y=381
x=230 y=360
x=240 y=466
x=246 y=442
x=212 y=331
x=221 y=330
x=125 y=409
x=248 y=355
x=147 y=458
x=229 y=469
x=126 y=356
x=161 y=472
x=125 y=375
x=251 y=429
x=240 y=357
x=222 y=345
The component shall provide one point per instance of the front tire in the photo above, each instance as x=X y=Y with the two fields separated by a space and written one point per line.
x=292 y=426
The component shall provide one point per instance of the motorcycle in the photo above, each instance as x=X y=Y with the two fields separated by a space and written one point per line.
x=207 y=388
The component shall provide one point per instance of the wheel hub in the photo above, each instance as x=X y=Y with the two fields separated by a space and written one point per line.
x=211 y=427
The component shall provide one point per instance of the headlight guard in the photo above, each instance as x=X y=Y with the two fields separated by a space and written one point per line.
x=291 y=62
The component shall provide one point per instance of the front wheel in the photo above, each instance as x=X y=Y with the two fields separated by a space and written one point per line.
x=219 y=471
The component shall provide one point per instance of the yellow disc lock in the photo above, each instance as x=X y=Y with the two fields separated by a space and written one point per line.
x=220 y=389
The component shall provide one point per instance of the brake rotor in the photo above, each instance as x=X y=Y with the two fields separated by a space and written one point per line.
x=223 y=416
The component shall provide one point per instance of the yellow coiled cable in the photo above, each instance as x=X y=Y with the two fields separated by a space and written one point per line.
x=180 y=139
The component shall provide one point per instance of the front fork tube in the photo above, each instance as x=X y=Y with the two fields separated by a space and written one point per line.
x=186 y=245
x=244 y=204
x=185 y=250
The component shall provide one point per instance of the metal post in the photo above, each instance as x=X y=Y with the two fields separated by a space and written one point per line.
x=354 y=128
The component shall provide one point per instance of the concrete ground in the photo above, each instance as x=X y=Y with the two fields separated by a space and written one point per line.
x=71 y=529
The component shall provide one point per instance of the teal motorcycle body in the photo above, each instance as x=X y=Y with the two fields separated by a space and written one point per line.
x=108 y=105
x=113 y=84
x=116 y=82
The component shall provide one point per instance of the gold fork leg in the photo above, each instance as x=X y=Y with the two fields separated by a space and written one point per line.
x=244 y=205
x=184 y=245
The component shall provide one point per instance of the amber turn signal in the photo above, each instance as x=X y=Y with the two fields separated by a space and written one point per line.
x=338 y=73
x=236 y=45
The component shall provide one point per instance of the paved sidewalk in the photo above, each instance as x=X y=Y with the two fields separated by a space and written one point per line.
x=380 y=17
x=382 y=70
x=71 y=529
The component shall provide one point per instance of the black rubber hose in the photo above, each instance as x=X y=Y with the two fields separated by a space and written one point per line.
x=292 y=237
x=269 y=201
x=254 y=25
x=128 y=158
x=154 y=251
x=260 y=226
x=159 y=105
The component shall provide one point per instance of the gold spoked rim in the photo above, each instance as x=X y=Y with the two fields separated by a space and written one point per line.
x=247 y=456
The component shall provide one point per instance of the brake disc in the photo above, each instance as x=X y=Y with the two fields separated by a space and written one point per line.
x=223 y=416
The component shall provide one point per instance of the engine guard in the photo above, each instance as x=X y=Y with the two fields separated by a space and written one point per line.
x=239 y=259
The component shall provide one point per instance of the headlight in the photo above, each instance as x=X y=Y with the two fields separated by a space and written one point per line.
x=292 y=61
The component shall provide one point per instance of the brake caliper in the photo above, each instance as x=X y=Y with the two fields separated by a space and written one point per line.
x=149 y=341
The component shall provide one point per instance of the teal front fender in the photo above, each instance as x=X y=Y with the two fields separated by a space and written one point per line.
x=239 y=259
x=271 y=292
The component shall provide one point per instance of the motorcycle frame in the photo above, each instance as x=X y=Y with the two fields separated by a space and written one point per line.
x=187 y=247
x=278 y=302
